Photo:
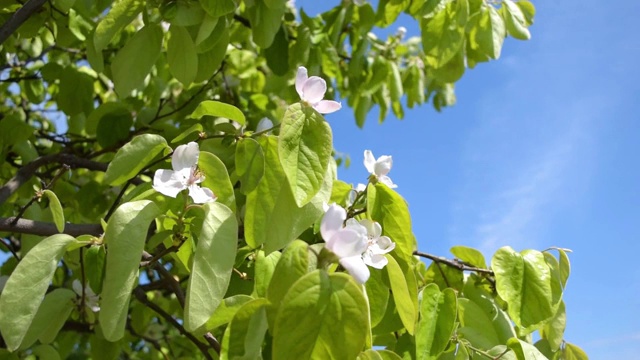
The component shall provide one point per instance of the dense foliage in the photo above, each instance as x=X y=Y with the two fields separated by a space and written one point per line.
x=168 y=187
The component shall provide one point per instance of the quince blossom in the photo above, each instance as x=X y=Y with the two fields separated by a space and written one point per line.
x=379 y=168
x=312 y=90
x=185 y=175
x=90 y=298
x=356 y=244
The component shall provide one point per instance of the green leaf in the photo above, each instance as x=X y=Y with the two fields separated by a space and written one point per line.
x=119 y=16
x=378 y=355
x=14 y=130
x=573 y=352
x=387 y=207
x=56 y=209
x=114 y=128
x=489 y=32
x=305 y=150
x=293 y=265
x=265 y=22
x=395 y=82
x=553 y=330
x=272 y=216
x=322 y=317
x=524 y=350
x=51 y=316
x=188 y=134
x=249 y=164
x=277 y=55
x=212 y=264
x=217 y=8
x=76 y=92
x=94 y=262
x=443 y=35
x=469 y=255
x=405 y=303
x=133 y=157
x=46 y=352
x=217 y=179
x=226 y=311
x=125 y=236
x=523 y=280
x=218 y=109
x=244 y=336
x=378 y=295
x=516 y=22
x=480 y=333
x=437 y=321
x=181 y=55
x=265 y=266
x=134 y=61
x=94 y=56
x=25 y=288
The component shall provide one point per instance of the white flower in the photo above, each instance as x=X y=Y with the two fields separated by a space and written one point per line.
x=91 y=300
x=185 y=175
x=264 y=124
x=402 y=31
x=380 y=168
x=312 y=90
x=377 y=245
x=357 y=244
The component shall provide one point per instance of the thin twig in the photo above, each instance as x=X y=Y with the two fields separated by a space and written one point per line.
x=9 y=246
x=142 y=297
x=453 y=263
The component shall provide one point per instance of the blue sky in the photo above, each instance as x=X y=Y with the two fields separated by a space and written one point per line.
x=541 y=150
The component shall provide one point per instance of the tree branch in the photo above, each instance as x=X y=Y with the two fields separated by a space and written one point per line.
x=19 y=17
x=455 y=263
x=32 y=227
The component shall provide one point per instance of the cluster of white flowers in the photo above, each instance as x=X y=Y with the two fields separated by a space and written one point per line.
x=356 y=243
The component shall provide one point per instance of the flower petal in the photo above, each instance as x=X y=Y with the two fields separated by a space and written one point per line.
x=369 y=161
x=301 y=78
x=264 y=124
x=356 y=267
x=168 y=182
x=383 y=165
x=347 y=242
x=377 y=261
x=201 y=195
x=77 y=287
x=332 y=221
x=387 y=181
x=374 y=230
x=313 y=90
x=361 y=187
x=185 y=156
x=385 y=244
x=327 y=106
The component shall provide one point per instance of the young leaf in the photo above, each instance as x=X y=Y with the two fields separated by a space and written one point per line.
x=469 y=255
x=56 y=209
x=226 y=311
x=516 y=21
x=212 y=264
x=443 y=35
x=573 y=352
x=265 y=266
x=402 y=295
x=378 y=355
x=249 y=164
x=244 y=335
x=125 y=236
x=323 y=316
x=305 y=150
x=134 y=61
x=292 y=266
x=387 y=207
x=133 y=157
x=218 y=109
x=25 y=288
x=523 y=280
x=437 y=321
x=524 y=350
x=553 y=330
x=217 y=179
